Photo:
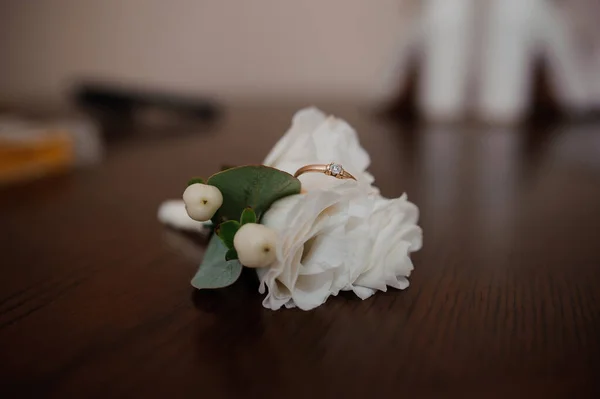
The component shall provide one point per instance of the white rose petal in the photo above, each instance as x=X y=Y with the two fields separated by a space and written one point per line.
x=202 y=201
x=393 y=224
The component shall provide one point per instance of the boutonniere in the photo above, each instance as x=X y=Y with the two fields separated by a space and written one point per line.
x=309 y=220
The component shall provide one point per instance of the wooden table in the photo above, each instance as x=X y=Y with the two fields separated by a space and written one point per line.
x=95 y=299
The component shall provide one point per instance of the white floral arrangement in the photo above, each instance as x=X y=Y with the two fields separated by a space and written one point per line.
x=308 y=235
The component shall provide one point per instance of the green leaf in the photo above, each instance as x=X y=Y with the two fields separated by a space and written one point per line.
x=251 y=186
x=215 y=271
x=248 y=216
x=231 y=254
x=195 y=180
x=226 y=231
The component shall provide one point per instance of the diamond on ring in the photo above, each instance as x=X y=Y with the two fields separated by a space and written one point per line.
x=335 y=169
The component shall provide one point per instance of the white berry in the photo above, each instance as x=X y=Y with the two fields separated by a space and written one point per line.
x=255 y=245
x=202 y=201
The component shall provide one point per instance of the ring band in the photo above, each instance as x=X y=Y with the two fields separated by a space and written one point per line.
x=333 y=169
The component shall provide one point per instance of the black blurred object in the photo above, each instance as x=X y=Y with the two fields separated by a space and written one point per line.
x=126 y=101
x=123 y=111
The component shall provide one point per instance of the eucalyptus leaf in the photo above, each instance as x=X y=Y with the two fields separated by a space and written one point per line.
x=231 y=254
x=226 y=231
x=251 y=186
x=215 y=271
x=248 y=216
x=195 y=180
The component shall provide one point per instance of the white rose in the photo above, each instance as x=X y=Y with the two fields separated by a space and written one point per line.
x=347 y=238
x=315 y=138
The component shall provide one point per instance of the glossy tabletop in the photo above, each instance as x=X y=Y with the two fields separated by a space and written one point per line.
x=504 y=301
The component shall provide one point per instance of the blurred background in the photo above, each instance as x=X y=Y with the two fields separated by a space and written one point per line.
x=230 y=50
x=74 y=74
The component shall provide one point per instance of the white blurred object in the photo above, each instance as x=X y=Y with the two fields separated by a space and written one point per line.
x=173 y=213
x=480 y=55
x=567 y=67
x=585 y=21
x=596 y=78
x=445 y=63
x=507 y=58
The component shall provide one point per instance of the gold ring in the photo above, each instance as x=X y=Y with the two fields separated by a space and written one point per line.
x=333 y=169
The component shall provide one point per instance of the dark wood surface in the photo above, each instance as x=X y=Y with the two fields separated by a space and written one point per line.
x=95 y=299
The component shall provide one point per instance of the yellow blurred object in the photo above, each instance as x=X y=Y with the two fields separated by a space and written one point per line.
x=33 y=154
